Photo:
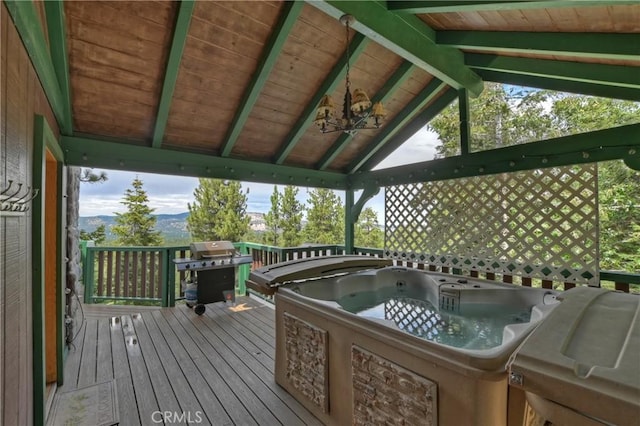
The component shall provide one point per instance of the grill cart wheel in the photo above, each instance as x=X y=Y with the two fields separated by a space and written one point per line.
x=199 y=309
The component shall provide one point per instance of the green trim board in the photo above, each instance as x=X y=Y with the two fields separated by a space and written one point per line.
x=88 y=152
x=585 y=45
x=408 y=37
x=290 y=12
x=551 y=83
x=25 y=18
x=603 y=145
x=37 y=273
x=418 y=7
x=183 y=20
x=352 y=212
x=411 y=128
x=395 y=81
x=54 y=10
x=425 y=96
x=465 y=124
x=611 y=75
x=61 y=254
x=349 y=221
x=330 y=83
x=43 y=140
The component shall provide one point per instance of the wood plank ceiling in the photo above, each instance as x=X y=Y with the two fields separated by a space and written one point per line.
x=240 y=92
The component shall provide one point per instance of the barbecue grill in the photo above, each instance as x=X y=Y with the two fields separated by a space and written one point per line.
x=212 y=267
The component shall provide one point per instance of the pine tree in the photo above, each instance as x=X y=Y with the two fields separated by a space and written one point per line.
x=367 y=230
x=325 y=224
x=135 y=226
x=291 y=217
x=272 y=219
x=219 y=211
x=98 y=236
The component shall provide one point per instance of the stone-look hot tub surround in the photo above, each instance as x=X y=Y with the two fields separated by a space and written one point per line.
x=375 y=373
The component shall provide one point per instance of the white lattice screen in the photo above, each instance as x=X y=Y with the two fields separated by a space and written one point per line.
x=540 y=224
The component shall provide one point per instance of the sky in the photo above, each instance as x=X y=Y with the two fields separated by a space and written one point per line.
x=170 y=194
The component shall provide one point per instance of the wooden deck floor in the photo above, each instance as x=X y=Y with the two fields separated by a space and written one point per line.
x=169 y=359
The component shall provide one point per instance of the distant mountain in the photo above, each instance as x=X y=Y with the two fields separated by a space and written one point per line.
x=173 y=227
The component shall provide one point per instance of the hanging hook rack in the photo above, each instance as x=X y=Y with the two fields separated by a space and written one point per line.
x=18 y=202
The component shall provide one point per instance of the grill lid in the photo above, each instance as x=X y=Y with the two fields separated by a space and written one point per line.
x=206 y=249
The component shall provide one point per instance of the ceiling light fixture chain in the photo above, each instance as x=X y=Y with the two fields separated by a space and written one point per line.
x=356 y=109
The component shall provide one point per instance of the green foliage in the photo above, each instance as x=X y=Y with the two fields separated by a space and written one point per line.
x=98 y=236
x=272 y=220
x=219 y=211
x=499 y=119
x=325 y=218
x=284 y=220
x=619 y=186
x=135 y=227
x=367 y=230
x=291 y=217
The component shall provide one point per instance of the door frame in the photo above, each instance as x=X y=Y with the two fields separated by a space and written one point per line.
x=45 y=141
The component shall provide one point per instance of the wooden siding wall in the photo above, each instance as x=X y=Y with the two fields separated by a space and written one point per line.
x=22 y=97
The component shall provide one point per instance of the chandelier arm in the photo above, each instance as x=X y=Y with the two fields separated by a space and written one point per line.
x=353 y=118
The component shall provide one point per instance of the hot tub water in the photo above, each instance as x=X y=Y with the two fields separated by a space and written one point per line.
x=470 y=326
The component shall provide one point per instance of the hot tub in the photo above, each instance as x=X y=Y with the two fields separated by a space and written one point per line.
x=396 y=344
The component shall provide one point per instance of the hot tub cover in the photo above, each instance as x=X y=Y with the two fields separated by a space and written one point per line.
x=266 y=278
x=585 y=356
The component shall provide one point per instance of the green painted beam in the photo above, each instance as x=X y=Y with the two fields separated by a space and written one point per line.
x=25 y=18
x=290 y=12
x=612 y=75
x=465 y=124
x=88 y=152
x=586 y=45
x=444 y=6
x=180 y=31
x=411 y=128
x=425 y=96
x=603 y=145
x=408 y=37
x=550 y=83
x=56 y=29
x=397 y=79
x=331 y=82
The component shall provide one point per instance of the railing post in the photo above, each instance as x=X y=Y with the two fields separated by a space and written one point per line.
x=164 y=278
x=88 y=275
x=171 y=278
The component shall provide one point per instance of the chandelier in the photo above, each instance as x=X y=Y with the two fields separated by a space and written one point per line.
x=356 y=109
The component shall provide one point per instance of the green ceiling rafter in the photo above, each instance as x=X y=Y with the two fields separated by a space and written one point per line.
x=87 y=152
x=411 y=128
x=290 y=13
x=603 y=145
x=25 y=18
x=550 y=83
x=357 y=46
x=397 y=79
x=56 y=28
x=407 y=37
x=427 y=94
x=417 y=7
x=183 y=20
x=586 y=45
x=611 y=75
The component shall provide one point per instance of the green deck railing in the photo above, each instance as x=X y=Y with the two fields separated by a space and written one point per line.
x=148 y=275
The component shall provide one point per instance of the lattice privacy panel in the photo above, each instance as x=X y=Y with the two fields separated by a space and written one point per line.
x=540 y=224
